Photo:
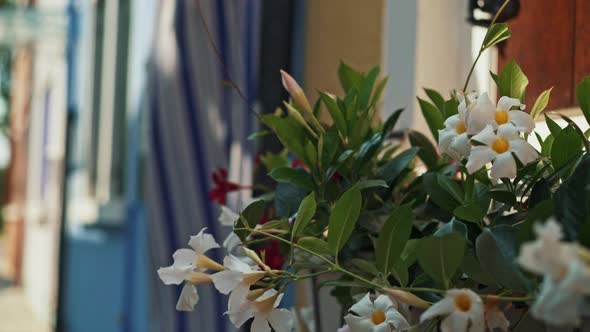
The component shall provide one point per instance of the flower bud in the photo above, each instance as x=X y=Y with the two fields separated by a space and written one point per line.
x=406 y=297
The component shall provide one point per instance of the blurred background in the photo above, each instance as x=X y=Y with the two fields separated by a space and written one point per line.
x=114 y=114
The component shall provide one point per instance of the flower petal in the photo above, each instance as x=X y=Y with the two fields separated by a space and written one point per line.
x=172 y=275
x=281 y=320
x=188 y=298
x=239 y=315
x=508 y=131
x=397 y=319
x=236 y=264
x=183 y=257
x=522 y=120
x=202 y=242
x=481 y=115
x=485 y=136
x=238 y=297
x=506 y=103
x=445 y=138
x=504 y=166
x=260 y=324
x=452 y=121
x=456 y=322
x=523 y=150
x=358 y=323
x=231 y=242
x=225 y=281
x=383 y=327
x=461 y=145
x=479 y=157
x=364 y=307
x=227 y=217
x=442 y=307
x=383 y=303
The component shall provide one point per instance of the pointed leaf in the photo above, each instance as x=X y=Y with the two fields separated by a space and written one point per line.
x=433 y=116
x=393 y=237
x=441 y=256
x=304 y=214
x=343 y=218
x=541 y=103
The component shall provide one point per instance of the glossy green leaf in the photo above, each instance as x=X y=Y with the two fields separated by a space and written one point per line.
x=572 y=199
x=441 y=256
x=512 y=82
x=367 y=87
x=393 y=168
x=365 y=266
x=583 y=95
x=315 y=245
x=343 y=218
x=349 y=78
x=391 y=122
x=393 y=237
x=438 y=194
x=496 y=33
x=372 y=183
x=335 y=112
x=554 y=128
x=433 y=116
x=427 y=151
x=296 y=176
x=566 y=146
x=469 y=212
x=304 y=214
x=541 y=103
x=436 y=99
x=497 y=247
x=251 y=215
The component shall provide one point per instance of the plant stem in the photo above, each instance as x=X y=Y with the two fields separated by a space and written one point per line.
x=481 y=49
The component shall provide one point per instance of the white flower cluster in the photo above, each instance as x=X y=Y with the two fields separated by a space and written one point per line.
x=565 y=267
x=482 y=132
x=235 y=277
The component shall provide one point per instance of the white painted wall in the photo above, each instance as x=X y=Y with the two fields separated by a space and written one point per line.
x=429 y=44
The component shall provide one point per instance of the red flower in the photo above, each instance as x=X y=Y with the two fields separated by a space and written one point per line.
x=222 y=186
x=298 y=163
x=271 y=251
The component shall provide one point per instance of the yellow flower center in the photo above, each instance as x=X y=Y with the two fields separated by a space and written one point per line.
x=500 y=145
x=501 y=117
x=460 y=128
x=377 y=317
x=463 y=302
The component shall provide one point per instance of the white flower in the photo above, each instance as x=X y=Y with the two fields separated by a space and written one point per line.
x=227 y=217
x=378 y=316
x=231 y=241
x=463 y=307
x=265 y=312
x=188 y=267
x=237 y=279
x=498 y=148
x=566 y=275
x=453 y=139
x=478 y=112
x=344 y=328
x=485 y=113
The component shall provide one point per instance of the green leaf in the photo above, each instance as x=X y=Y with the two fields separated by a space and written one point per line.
x=450 y=186
x=541 y=212
x=393 y=168
x=295 y=176
x=367 y=150
x=512 y=82
x=554 y=128
x=335 y=112
x=572 y=199
x=441 y=256
x=315 y=245
x=451 y=108
x=496 y=33
x=289 y=132
x=343 y=218
x=330 y=147
x=437 y=194
x=349 y=78
x=251 y=215
x=503 y=196
x=367 y=184
x=274 y=160
x=473 y=269
x=391 y=122
x=567 y=146
x=497 y=247
x=436 y=99
x=367 y=87
x=453 y=226
x=365 y=266
x=378 y=91
x=311 y=153
x=393 y=237
x=469 y=212
x=583 y=94
x=400 y=272
x=304 y=214
x=433 y=116
x=541 y=103
x=427 y=151
x=287 y=199
x=258 y=134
